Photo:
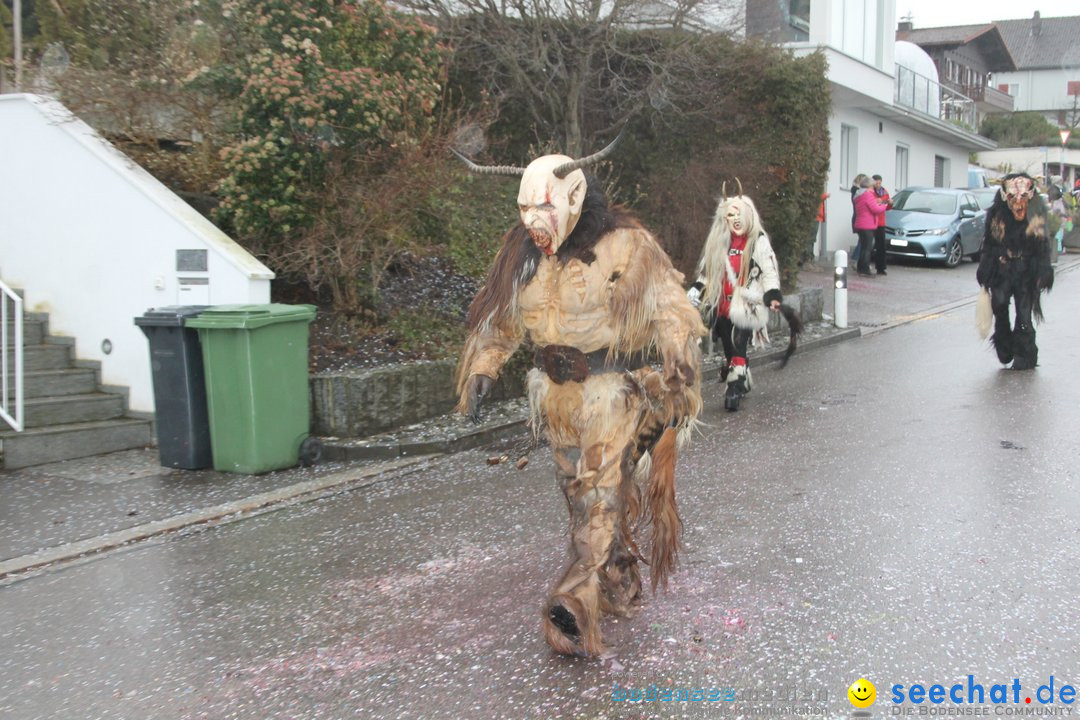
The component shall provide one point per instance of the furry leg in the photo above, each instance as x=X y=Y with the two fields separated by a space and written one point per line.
x=571 y=620
x=620 y=578
x=737 y=386
x=1002 y=338
x=1025 y=352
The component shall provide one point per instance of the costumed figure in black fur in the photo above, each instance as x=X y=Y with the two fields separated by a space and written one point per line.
x=1014 y=264
x=617 y=378
x=738 y=284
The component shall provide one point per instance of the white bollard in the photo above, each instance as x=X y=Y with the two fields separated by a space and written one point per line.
x=840 y=289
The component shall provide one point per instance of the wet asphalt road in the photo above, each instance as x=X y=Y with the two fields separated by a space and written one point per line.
x=895 y=507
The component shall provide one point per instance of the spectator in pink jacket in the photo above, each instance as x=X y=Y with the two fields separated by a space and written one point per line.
x=868 y=208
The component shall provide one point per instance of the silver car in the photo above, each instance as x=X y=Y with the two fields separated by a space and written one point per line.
x=985 y=196
x=941 y=224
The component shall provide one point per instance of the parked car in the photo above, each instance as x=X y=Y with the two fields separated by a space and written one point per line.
x=985 y=196
x=977 y=177
x=941 y=224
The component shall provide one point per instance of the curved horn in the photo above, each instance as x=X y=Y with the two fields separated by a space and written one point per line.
x=563 y=170
x=723 y=190
x=488 y=169
x=740 y=185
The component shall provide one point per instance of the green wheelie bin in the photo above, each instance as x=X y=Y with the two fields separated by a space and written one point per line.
x=256 y=363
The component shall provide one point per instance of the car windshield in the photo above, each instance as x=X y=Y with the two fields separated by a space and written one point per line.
x=925 y=201
x=986 y=199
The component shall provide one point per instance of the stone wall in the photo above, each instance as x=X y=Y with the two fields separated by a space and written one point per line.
x=360 y=403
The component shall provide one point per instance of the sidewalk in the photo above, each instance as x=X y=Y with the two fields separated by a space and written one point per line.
x=63 y=511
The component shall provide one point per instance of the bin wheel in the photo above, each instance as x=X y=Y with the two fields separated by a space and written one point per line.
x=310 y=451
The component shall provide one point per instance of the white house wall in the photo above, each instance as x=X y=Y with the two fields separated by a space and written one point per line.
x=1033 y=160
x=92 y=239
x=1042 y=90
x=876 y=155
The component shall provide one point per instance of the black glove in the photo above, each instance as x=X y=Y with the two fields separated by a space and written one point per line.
x=476 y=389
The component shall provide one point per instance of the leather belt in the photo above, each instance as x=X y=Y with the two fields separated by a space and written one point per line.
x=564 y=363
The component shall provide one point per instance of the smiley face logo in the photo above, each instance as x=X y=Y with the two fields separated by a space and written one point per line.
x=862 y=693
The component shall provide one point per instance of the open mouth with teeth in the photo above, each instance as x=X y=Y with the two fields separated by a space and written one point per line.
x=1018 y=208
x=543 y=241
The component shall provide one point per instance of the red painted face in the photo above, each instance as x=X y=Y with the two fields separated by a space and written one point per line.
x=1018 y=191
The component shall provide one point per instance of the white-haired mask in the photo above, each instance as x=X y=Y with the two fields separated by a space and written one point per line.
x=740 y=215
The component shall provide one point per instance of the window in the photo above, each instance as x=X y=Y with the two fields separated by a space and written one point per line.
x=941 y=171
x=849 y=154
x=799 y=17
x=901 y=167
x=859 y=29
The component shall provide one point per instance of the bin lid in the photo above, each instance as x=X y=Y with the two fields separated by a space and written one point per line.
x=169 y=316
x=250 y=316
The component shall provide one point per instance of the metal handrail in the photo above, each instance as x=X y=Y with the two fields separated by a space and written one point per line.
x=930 y=97
x=11 y=408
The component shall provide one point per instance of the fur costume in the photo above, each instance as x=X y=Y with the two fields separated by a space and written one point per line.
x=1014 y=264
x=737 y=302
x=619 y=364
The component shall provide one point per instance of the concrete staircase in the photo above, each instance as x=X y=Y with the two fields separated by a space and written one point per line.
x=67 y=414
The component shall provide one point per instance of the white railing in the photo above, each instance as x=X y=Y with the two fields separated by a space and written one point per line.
x=11 y=358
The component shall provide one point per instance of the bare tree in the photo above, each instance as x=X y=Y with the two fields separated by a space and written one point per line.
x=573 y=70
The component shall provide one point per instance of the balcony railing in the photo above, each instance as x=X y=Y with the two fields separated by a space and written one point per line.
x=930 y=97
x=990 y=98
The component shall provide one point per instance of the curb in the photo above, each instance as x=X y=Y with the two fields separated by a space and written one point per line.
x=337 y=449
x=299 y=492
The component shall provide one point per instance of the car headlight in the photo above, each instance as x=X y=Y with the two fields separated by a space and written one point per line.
x=937 y=231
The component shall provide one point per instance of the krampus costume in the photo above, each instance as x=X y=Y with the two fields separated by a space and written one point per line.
x=738 y=283
x=595 y=294
x=1015 y=263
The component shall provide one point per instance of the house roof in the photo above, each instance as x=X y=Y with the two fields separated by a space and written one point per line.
x=1042 y=42
x=953 y=35
x=985 y=37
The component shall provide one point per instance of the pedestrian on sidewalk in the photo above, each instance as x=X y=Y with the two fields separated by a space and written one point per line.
x=856 y=190
x=867 y=210
x=879 y=232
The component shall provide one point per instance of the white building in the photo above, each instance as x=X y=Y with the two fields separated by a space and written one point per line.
x=1046 y=52
x=888 y=118
x=94 y=240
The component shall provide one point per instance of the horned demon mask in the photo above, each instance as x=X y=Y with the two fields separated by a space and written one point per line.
x=551 y=194
x=738 y=212
x=1017 y=193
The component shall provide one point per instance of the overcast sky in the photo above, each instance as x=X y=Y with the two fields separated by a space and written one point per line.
x=940 y=13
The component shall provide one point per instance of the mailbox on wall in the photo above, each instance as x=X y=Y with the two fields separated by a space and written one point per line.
x=192 y=280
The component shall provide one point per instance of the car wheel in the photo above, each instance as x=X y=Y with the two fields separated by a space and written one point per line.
x=953 y=253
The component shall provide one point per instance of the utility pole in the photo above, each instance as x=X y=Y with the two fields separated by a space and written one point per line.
x=1064 y=139
x=17 y=12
